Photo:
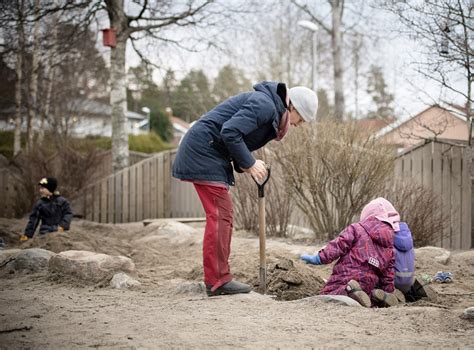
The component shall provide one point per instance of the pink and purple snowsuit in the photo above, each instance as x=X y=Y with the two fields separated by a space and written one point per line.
x=365 y=253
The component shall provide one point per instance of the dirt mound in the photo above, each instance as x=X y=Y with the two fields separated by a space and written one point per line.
x=84 y=235
x=290 y=281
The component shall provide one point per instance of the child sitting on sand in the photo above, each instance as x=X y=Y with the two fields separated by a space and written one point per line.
x=366 y=257
x=51 y=209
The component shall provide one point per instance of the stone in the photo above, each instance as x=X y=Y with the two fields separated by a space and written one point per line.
x=338 y=299
x=123 y=281
x=28 y=260
x=191 y=288
x=89 y=266
x=440 y=255
x=468 y=314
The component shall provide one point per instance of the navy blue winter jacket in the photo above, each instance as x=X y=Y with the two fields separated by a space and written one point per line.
x=52 y=212
x=229 y=133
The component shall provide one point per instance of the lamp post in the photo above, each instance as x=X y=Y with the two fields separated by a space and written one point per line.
x=314 y=28
x=147 y=111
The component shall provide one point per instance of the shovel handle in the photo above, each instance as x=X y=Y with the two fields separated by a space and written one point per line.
x=261 y=185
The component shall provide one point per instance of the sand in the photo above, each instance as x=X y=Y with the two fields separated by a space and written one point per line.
x=170 y=310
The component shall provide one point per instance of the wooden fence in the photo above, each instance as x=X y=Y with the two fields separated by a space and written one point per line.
x=147 y=190
x=445 y=168
x=105 y=167
x=142 y=191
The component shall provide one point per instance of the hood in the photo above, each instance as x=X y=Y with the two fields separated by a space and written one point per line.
x=403 y=238
x=270 y=88
x=381 y=233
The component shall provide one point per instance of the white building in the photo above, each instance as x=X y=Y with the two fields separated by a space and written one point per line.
x=84 y=117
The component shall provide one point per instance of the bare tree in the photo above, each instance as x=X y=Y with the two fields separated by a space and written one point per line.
x=334 y=30
x=443 y=30
x=150 y=20
x=33 y=84
x=19 y=78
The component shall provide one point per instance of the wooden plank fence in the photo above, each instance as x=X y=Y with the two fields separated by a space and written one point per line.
x=445 y=168
x=144 y=190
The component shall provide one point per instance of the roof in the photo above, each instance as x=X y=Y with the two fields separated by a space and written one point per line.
x=180 y=124
x=373 y=124
x=454 y=110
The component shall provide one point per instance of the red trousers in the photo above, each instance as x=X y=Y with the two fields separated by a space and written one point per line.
x=217 y=235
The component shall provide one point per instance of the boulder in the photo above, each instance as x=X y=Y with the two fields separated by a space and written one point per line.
x=89 y=266
x=338 y=299
x=123 y=281
x=439 y=255
x=191 y=288
x=468 y=314
x=28 y=260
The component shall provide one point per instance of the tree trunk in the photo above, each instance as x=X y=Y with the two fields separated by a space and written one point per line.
x=336 y=9
x=118 y=95
x=33 y=88
x=49 y=78
x=19 y=78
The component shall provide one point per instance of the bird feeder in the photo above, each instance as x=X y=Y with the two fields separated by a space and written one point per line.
x=109 y=37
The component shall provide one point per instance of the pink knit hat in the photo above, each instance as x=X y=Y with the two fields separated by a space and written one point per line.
x=383 y=210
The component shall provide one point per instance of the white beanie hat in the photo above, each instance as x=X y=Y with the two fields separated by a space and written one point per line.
x=305 y=101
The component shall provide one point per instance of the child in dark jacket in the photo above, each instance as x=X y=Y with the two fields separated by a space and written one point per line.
x=365 y=255
x=51 y=209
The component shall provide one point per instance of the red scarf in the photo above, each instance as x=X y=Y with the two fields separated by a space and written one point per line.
x=284 y=125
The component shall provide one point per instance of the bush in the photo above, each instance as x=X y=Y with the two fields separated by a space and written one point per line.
x=421 y=209
x=333 y=171
x=73 y=168
x=147 y=143
x=278 y=206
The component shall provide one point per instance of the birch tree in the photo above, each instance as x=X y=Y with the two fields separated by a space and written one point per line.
x=33 y=83
x=151 y=19
x=334 y=30
x=19 y=78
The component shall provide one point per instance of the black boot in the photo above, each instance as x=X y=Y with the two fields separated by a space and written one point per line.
x=232 y=287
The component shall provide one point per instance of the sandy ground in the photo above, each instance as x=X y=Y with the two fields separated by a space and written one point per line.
x=169 y=310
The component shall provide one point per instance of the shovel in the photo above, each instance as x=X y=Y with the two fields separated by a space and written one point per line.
x=261 y=230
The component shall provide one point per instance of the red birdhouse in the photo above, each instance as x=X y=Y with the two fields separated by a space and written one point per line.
x=109 y=37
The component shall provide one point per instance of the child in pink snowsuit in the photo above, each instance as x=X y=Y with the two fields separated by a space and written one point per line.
x=365 y=253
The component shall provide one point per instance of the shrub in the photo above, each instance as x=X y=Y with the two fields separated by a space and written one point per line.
x=73 y=168
x=421 y=209
x=333 y=171
x=278 y=206
x=147 y=143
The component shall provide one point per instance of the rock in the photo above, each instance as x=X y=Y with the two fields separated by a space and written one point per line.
x=123 y=281
x=175 y=233
x=440 y=255
x=191 y=288
x=468 y=314
x=89 y=266
x=30 y=260
x=338 y=299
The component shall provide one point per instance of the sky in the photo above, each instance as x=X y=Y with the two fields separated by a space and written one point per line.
x=387 y=48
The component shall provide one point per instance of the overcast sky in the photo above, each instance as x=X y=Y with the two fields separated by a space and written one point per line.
x=386 y=48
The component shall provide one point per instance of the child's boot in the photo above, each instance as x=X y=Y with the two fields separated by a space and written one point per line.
x=355 y=292
x=400 y=296
x=386 y=299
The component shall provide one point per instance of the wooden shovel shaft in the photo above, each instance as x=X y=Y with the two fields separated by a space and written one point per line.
x=261 y=233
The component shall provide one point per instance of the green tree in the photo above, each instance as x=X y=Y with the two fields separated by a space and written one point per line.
x=192 y=97
x=229 y=82
x=377 y=88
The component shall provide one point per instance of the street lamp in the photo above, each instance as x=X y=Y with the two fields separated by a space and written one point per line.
x=147 y=111
x=314 y=28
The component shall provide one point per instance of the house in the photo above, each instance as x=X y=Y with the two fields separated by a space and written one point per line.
x=180 y=127
x=440 y=121
x=83 y=117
